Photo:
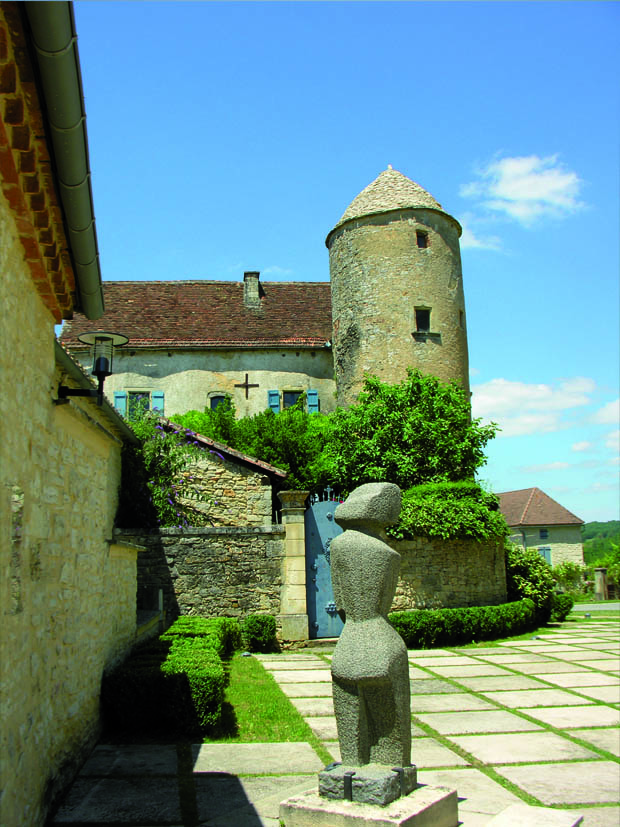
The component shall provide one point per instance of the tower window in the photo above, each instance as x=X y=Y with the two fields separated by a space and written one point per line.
x=289 y=398
x=216 y=400
x=421 y=239
x=422 y=319
x=461 y=319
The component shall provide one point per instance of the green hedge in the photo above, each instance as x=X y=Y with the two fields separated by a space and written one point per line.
x=176 y=682
x=561 y=606
x=259 y=633
x=428 y=628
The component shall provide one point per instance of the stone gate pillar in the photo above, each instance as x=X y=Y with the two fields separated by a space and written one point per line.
x=293 y=608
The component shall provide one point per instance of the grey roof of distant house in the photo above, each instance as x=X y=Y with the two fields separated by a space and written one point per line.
x=391 y=190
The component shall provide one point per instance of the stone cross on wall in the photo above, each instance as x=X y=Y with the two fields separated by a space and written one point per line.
x=370 y=669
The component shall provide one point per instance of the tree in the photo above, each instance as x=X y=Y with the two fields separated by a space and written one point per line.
x=410 y=433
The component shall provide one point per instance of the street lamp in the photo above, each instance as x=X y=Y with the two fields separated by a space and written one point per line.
x=102 y=345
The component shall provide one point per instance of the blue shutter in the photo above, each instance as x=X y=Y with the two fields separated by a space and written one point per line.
x=545 y=553
x=120 y=402
x=273 y=398
x=157 y=400
x=312 y=398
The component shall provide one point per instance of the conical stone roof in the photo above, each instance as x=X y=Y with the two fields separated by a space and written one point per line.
x=389 y=191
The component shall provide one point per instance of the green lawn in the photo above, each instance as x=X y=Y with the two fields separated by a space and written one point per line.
x=257 y=711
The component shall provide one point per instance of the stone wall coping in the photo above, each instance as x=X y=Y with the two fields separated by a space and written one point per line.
x=116 y=541
x=206 y=531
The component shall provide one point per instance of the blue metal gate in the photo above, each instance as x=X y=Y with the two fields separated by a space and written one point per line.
x=321 y=528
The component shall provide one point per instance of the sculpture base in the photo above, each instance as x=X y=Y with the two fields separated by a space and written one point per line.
x=370 y=784
x=424 y=807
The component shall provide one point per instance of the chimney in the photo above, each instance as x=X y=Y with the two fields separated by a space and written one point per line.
x=251 y=290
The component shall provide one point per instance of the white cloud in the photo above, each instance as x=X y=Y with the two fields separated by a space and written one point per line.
x=548 y=466
x=612 y=441
x=520 y=408
x=471 y=240
x=581 y=446
x=526 y=188
x=609 y=414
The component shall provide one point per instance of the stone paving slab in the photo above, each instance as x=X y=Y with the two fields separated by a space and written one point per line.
x=324 y=727
x=454 y=702
x=600 y=816
x=571 y=783
x=470 y=671
x=501 y=682
x=563 y=717
x=275 y=666
x=428 y=753
x=302 y=675
x=535 y=697
x=459 y=723
x=415 y=673
x=435 y=653
x=607 y=739
x=318 y=689
x=587 y=656
x=574 y=679
x=517 y=747
x=131 y=759
x=121 y=800
x=515 y=657
x=550 y=667
x=477 y=793
x=608 y=694
x=255 y=759
x=431 y=662
x=608 y=665
x=265 y=795
x=527 y=816
x=431 y=685
x=314 y=706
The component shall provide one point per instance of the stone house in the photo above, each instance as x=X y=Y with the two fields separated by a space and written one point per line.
x=68 y=589
x=537 y=521
x=395 y=300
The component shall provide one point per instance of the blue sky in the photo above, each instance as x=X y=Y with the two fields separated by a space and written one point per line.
x=232 y=136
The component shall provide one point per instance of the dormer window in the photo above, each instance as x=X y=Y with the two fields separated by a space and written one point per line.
x=421 y=239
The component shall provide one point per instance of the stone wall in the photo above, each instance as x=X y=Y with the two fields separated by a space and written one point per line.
x=441 y=574
x=67 y=599
x=227 y=492
x=221 y=571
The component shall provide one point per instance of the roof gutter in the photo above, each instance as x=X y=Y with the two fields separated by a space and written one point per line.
x=54 y=41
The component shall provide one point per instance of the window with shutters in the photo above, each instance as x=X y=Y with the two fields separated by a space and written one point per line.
x=133 y=403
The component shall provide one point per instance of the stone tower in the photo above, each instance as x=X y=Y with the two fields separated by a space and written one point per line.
x=397 y=288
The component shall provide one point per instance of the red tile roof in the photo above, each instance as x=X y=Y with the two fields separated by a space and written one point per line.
x=531 y=506
x=211 y=314
x=224 y=451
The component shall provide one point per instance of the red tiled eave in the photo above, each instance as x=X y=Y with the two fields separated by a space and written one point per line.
x=532 y=507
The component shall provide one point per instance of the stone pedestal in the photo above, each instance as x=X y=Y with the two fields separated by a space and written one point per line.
x=600 y=584
x=370 y=784
x=424 y=807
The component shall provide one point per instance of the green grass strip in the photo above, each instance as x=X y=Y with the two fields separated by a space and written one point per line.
x=256 y=710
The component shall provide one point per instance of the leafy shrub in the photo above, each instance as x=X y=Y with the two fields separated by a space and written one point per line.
x=569 y=576
x=561 y=606
x=410 y=433
x=529 y=575
x=176 y=682
x=259 y=633
x=451 y=510
x=428 y=628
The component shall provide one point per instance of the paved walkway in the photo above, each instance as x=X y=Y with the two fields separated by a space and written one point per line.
x=535 y=720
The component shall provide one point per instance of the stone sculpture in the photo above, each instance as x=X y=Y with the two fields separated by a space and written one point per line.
x=370 y=670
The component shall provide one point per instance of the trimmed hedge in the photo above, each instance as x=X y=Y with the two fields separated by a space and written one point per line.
x=428 y=628
x=174 y=683
x=259 y=633
x=561 y=606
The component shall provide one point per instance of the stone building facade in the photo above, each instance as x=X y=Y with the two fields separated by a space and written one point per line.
x=537 y=521
x=68 y=590
x=395 y=301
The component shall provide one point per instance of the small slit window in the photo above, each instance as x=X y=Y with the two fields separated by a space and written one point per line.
x=421 y=239
x=422 y=319
x=216 y=400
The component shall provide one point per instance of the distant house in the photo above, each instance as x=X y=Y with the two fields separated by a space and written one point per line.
x=537 y=521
